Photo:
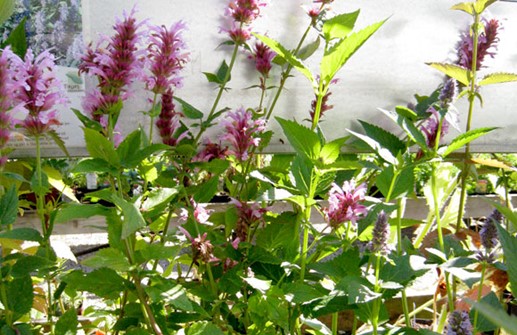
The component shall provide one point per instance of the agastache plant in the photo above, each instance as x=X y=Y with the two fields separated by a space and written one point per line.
x=7 y=89
x=345 y=204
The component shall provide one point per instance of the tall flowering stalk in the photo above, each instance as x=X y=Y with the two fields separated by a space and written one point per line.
x=116 y=66
x=459 y=323
x=168 y=122
x=479 y=42
x=379 y=247
x=166 y=56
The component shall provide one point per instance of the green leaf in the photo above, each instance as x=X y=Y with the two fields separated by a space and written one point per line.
x=339 y=26
x=465 y=138
x=170 y=293
x=130 y=145
x=454 y=71
x=190 y=111
x=509 y=244
x=20 y=295
x=467 y=7
x=303 y=293
x=406 y=112
x=317 y=326
x=258 y=284
x=398 y=185
x=26 y=265
x=67 y=323
x=337 y=56
x=287 y=55
x=497 y=78
x=303 y=140
x=69 y=212
x=99 y=146
x=40 y=187
x=484 y=325
x=205 y=192
x=109 y=257
x=204 y=328
x=384 y=143
x=331 y=150
x=6 y=10
x=9 y=206
x=93 y=165
x=481 y=5
x=498 y=316
x=103 y=282
x=508 y=213
x=302 y=173
x=56 y=180
x=86 y=121
x=58 y=141
x=309 y=49
x=18 y=39
x=22 y=234
x=133 y=219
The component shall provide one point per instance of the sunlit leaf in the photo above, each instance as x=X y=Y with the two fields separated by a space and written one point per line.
x=454 y=71
x=99 y=146
x=67 y=323
x=304 y=141
x=337 y=56
x=109 y=257
x=190 y=111
x=465 y=138
x=6 y=9
x=497 y=78
x=340 y=25
x=56 y=180
x=133 y=219
x=509 y=244
x=498 y=316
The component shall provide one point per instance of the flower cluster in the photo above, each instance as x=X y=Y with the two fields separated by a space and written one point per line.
x=211 y=151
x=380 y=235
x=459 y=323
x=39 y=92
x=345 y=204
x=242 y=14
x=249 y=215
x=262 y=55
x=116 y=66
x=202 y=249
x=487 y=42
x=324 y=103
x=168 y=122
x=200 y=213
x=242 y=132
x=431 y=126
x=167 y=57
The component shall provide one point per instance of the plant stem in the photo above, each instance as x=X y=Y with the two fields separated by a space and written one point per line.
x=377 y=302
x=40 y=197
x=219 y=93
x=480 y=292
x=471 y=97
x=335 y=318
x=305 y=242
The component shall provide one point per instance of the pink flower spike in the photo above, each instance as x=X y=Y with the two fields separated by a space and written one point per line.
x=242 y=132
x=167 y=56
x=263 y=56
x=344 y=204
x=168 y=121
x=40 y=92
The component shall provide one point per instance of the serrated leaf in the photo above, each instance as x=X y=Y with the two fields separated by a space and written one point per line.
x=406 y=112
x=212 y=78
x=86 y=121
x=99 y=146
x=67 y=323
x=465 y=138
x=509 y=244
x=110 y=258
x=287 y=55
x=93 y=165
x=71 y=211
x=58 y=141
x=492 y=163
x=337 y=56
x=303 y=140
x=9 y=206
x=466 y=7
x=23 y=234
x=204 y=328
x=20 y=295
x=454 y=71
x=133 y=219
x=481 y=5
x=103 y=282
x=331 y=150
x=190 y=111
x=497 y=78
x=340 y=25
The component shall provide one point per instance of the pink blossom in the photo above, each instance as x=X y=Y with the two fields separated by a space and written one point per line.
x=168 y=122
x=344 y=203
x=40 y=92
x=202 y=249
x=242 y=132
x=487 y=43
x=263 y=56
x=242 y=13
x=166 y=56
x=324 y=103
x=249 y=214
x=8 y=86
x=431 y=125
x=211 y=151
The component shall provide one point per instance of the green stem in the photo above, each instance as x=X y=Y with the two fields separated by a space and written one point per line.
x=143 y=300
x=377 y=302
x=305 y=243
x=40 y=197
x=219 y=93
x=436 y=206
x=335 y=318
x=480 y=292
x=471 y=97
x=151 y=116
